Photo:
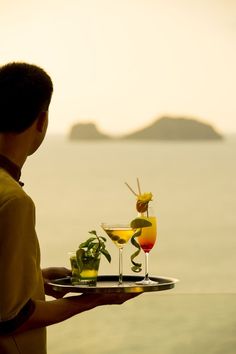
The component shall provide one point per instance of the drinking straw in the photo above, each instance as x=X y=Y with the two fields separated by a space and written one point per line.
x=139 y=189
x=131 y=189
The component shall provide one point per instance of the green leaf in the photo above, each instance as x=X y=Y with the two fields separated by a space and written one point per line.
x=86 y=243
x=92 y=248
x=79 y=256
x=139 y=223
x=91 y=245
x=103 y=238
x=95 y=248
x=106 y=254
x=93 y=232
x=102 y=246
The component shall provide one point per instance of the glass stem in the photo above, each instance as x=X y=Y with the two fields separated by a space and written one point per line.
x=146 y=266
x=120 y=265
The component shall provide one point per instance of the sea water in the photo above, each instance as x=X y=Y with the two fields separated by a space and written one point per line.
x=78 y=185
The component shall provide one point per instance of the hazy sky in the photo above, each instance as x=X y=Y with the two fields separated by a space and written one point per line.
x=122 y=63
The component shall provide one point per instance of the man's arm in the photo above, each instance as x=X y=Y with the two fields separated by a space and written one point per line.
x=47 y=313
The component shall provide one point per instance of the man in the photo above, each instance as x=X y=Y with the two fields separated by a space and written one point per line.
x=25 y=95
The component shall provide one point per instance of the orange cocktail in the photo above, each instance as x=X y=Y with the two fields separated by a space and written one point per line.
x=148 y=236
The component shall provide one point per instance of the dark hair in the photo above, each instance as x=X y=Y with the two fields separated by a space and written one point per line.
x=25 y=91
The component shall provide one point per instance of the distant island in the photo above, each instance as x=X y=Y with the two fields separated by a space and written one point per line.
x=86 y=131
x=165 y=128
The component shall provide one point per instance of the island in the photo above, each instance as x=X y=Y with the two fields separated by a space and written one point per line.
x=167 y=128
x=86 y=131
x=164 y=128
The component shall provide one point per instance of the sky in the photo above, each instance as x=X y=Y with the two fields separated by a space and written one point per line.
x=124 y=63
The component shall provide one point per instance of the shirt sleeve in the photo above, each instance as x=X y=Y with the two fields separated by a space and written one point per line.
x=18 y=259
x=9 y=326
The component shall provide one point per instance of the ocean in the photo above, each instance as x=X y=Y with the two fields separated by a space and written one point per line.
x=78 y=185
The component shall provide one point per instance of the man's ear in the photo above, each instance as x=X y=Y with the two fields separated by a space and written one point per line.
x=42 y=121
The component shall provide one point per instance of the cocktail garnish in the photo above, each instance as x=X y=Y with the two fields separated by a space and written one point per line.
x=142 y=198
x=137 y=224
x=137 y=267
x=142 y=202
x=92 y=248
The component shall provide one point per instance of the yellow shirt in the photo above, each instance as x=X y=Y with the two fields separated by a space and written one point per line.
x=20 y=274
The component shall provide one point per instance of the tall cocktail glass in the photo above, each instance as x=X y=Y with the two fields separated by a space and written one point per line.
x=146 y=241
x=120 y=235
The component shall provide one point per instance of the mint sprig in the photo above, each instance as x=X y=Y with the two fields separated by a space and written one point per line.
x=92 y=248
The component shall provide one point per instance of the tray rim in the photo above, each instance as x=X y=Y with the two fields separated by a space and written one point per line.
x=166 y=283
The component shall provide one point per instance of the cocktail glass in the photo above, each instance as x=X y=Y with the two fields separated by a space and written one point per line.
x=88 y=271
x=84 y=271
x=146 y=241
x=74 y=268
x=120 y=235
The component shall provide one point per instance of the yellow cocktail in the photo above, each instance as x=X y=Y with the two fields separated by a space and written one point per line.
x=148 y=235
x=120 y=235
x=146 y=241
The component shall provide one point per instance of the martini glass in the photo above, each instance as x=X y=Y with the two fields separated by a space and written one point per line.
x=146 y=241
x=120 y=235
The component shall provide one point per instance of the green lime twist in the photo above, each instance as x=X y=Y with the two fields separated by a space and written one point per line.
x=137 y=224
x=137 y=267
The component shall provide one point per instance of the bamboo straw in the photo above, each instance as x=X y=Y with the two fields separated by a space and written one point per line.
x=139 y=189
x=131 y=189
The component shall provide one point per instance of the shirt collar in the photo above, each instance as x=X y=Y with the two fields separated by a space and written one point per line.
x=11 y=168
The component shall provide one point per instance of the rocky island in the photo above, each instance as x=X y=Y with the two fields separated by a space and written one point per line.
x=86 y=131
x=165 y=128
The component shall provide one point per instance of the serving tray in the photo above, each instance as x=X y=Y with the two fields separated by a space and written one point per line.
x=109 y=284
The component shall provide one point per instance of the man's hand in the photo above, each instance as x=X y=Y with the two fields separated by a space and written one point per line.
x=54 y=273
x=109 y=298
x=92 y=300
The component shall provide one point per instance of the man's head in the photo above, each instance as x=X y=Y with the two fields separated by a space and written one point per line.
x=25 y=92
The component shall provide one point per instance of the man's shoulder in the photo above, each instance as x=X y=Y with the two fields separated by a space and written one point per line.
x=10 y=190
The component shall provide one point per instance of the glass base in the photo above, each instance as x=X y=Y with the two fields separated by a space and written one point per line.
x=146 y=282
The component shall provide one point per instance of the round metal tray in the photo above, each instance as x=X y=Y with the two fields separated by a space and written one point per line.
x=109 y=284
